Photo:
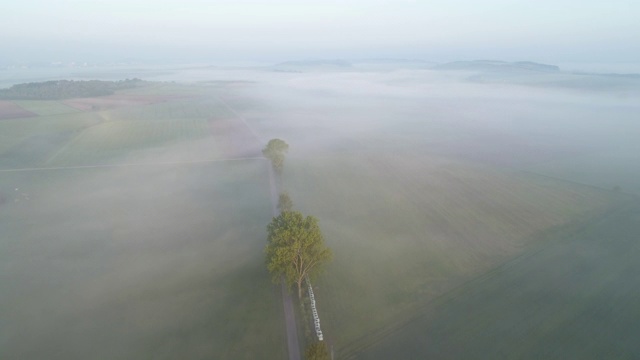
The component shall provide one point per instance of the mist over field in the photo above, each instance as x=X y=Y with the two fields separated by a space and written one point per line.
x=133 y=224
x=461 y=179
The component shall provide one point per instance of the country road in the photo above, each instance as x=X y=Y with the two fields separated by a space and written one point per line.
x=289 y=315
x=293 y=344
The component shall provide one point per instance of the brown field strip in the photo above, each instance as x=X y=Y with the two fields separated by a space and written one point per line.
x=9 y=110
x=118 y=101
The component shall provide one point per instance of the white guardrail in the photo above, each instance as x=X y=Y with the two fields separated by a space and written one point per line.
x=316 y=319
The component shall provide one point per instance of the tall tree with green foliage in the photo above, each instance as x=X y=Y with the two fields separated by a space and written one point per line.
x=295 y=248
x=317 y=351
x=284 y=202
x=275 y=151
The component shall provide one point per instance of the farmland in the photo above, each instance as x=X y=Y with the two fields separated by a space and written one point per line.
x=9 y=110
x=44 y=108
x=574 y=298
x=431 y=225
x=138 y=218
x=419 y=198
x=125 y=234
x=151 y=129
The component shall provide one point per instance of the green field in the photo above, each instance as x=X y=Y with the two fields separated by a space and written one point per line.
x=407 y=230
x=140 y=226
x=44 y=108
x=184 y=129
x=607 y=169
x=100 y=258
x=417 y=200
x=576 y=298
x=109 y=263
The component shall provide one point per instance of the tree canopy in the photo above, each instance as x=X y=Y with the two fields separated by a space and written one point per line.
x=295 y=248
x=275 y=151
x=317 y=351
x=284 y=202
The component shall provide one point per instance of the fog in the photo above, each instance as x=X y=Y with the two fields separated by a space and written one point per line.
x=156 y=251
x=522 y=126
x=442 y=145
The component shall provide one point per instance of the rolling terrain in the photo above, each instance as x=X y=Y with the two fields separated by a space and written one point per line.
x=574 y=297
x=419 y=197
x=134 y=232
x=139 y=218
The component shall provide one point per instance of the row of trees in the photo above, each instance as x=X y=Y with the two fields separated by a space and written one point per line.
x=295 y=245
x=66 y=89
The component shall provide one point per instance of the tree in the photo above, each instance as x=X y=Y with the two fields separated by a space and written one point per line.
x=317 y=351
x=275 y=151
x=295 y=248
x=284 y=202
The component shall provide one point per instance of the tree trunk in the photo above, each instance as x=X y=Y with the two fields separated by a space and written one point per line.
x=300 y=289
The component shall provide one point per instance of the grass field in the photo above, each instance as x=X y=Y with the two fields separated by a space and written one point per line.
x=180 y=128
x=180 y=131
x=159 y=246
x=30 y=142
x=43 y=108
x=113 y=141
x=419 y=196
x=407 y=230
x=575 y=298
x=125 y=261
x=607 y=169
x=110 y=263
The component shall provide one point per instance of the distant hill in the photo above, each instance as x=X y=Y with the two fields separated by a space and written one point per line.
x=391 y=64
x=366 y=64
x=383 y=64
x=494 y=65
x=312 y=65
x=541 y=75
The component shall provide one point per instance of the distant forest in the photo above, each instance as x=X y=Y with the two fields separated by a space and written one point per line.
x=65 y=89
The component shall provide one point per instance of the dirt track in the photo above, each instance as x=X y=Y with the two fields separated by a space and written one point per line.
x=289 y=315
x=293 y=344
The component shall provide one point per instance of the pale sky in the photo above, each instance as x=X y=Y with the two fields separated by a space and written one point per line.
x=439 y=30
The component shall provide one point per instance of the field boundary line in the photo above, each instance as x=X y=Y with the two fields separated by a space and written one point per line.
x=65 y=146
x=241 y=118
